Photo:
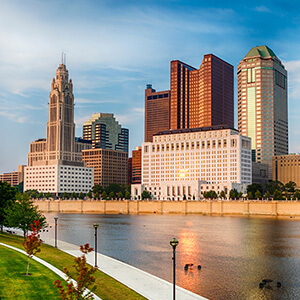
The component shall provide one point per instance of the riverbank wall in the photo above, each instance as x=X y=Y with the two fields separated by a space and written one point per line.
x=246 y=208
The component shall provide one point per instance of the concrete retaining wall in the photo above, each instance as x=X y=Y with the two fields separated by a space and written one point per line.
x=271 y=208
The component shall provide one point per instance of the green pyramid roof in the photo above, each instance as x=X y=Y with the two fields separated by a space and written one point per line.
x=262 y=51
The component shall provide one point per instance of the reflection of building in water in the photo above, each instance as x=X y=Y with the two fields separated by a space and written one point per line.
x=183 y=164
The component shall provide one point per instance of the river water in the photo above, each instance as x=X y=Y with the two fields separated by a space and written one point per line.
x=235 y=253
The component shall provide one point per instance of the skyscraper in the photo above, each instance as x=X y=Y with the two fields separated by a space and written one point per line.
x=105 y=132
x=55 y=164
x=201 y=97
x=157 y=116
x=262 y=104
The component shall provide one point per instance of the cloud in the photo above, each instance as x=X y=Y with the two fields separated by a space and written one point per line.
x=89 y=101
x=262 y=8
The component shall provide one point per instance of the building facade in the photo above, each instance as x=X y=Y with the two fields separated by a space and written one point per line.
x=59 y=152
x=157 y=111
x=14 y=178
x=287 y=168
x=201 y=97
x=105 y=132
x=210 y=157
x=136 y=166
x=110 y=166
x=262 y=104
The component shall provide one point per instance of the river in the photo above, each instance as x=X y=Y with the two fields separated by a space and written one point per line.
x=235 y=253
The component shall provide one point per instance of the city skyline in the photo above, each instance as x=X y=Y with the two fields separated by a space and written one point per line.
x=117 y=48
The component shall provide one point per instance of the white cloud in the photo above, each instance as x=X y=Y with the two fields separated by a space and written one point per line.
x=262 y=8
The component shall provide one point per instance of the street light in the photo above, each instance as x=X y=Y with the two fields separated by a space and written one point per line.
x=55 y=218
x=174 y=244
x=96 y=226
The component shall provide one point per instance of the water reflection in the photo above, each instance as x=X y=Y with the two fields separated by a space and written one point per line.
x=235 y=253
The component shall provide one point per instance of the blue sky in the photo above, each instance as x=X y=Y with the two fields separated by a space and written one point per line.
x=114 y=48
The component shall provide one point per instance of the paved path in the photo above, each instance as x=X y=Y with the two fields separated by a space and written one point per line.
x=147 y=285
x=51 y=267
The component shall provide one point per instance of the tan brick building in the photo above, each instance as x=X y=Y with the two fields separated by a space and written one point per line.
x=14 y=178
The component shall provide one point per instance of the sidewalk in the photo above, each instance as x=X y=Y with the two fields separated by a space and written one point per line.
x=147 y=285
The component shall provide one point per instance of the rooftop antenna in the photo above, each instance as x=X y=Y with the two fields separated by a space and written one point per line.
x=63 y=58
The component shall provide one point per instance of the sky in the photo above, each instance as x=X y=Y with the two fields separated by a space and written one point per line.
x=114 y=48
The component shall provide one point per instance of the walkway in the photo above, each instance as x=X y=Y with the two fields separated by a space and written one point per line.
x=147 y=285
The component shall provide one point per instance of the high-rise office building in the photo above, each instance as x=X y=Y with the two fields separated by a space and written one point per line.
x=136 y=165
x=55 y=164
x=105 y=132
x=262 y=104
x=157 y=115
x=201 y=97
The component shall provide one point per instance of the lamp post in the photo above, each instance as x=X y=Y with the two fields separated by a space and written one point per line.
x=96 y=227
x=174 y=244
x=55 y=236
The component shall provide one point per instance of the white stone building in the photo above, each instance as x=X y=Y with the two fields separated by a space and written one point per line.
x=182 y=164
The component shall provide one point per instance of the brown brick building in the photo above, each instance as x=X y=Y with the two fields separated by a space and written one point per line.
x=137 y=165
x=14 y=178
x=201 y=97
x=110 y=166
x=287 y=168
x=156 y=112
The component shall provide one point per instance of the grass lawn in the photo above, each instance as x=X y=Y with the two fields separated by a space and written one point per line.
x=14 y=285
x=107 y=287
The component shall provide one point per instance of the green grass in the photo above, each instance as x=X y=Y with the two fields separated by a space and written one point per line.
x=14 y=285
x=107 y=287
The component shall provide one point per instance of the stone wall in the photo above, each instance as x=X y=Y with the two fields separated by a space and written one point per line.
x=271 y=208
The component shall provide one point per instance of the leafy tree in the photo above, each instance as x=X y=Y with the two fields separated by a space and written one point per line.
x=120 y=195
x=22 y=213
x=254 y=187
x=240 y=195
x=277 y=195
x=297 y=194
x=146 y=195
x=81 y=195
x=222 y=195
x=274 y=185
x=82 y=273
x=7 y=196
x=267 y=195
x=104 y=195
x=65 y=195
x=287 y=195
x=213 y=195
x=249 y=196
x=48 y=195
x=111 y=195
x=32 y=193
x=127 y=195
x=290 y=186
x=257 y=194
x=233 y=194
x=32 y=243
x=73 y=195
x=97 y=188
x=115 y=188
x=90 y=195
x=40 y=195
x=97 y=195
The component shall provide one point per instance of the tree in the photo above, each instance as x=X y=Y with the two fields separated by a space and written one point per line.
x=104 y=195
x=115 y=188
x=290 y=186
x=32 y=193
x=274 y=185
x=32 y=243
x=73 y=195
x=249 y=196
x=90 y=195
x=267 y=195
x=48 y=195
x=111 y=195
x=297 y=194
x=213 y=195
x=82 y=273
x=7 y=197
x=81 y=195
x=127 y=195
x=120 y=195
x=222 y=195
x=97 y=188
x=240 y=195
x=233 y=194
x=146 y=195
x=257 y=194
x=22 y=213
x=254 y=187
x=40 y=195
x=277 y=195
x=65 y=195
